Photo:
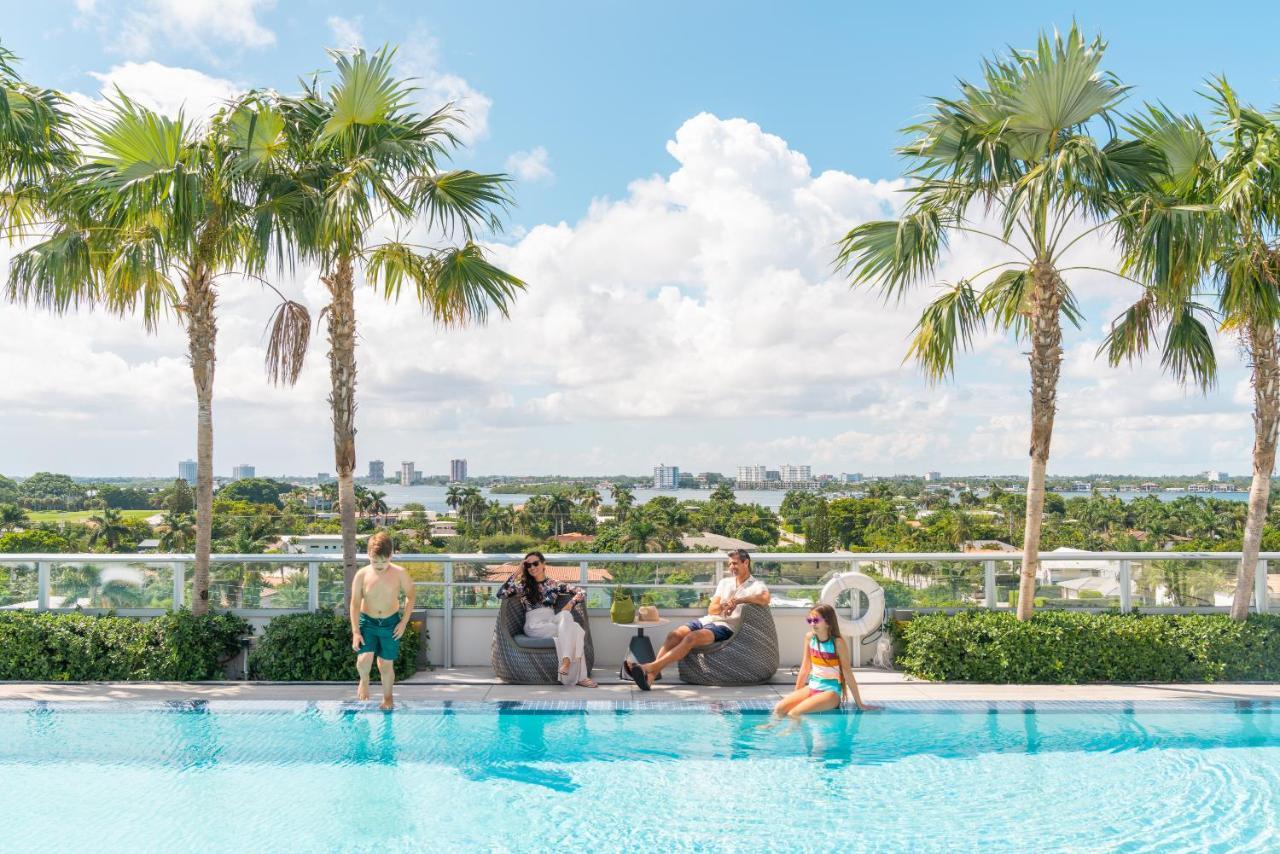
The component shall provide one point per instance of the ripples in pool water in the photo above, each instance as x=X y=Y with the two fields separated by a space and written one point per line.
x=330 y=780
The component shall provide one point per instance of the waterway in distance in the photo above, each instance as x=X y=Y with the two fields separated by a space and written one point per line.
x=432 y=496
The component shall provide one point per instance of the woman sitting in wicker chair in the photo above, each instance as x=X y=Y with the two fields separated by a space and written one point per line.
x=539 y=595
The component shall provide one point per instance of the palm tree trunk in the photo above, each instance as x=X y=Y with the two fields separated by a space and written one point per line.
x=202 y=333
x=1046 y=362
x=1261 y=341
x=342 y=400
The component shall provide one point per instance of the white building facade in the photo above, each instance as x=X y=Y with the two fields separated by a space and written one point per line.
x=666 y=477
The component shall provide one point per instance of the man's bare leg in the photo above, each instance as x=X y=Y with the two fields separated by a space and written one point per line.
x=691 y=640
x=364 y=663
x=387 y=670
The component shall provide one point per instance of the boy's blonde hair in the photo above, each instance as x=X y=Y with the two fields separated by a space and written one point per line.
x=380 y=545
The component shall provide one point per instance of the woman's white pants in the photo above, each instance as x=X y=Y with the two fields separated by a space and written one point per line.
x=569 y=636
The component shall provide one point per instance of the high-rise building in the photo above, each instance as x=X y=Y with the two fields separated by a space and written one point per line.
x=187 y=471
x=932 y=477
x=666 y=477
x=1216 y=476
x=749 y=475
x=377 y=471
x=794 y=474
x=242 y=471
x=407 y=475
x=323 y=477
x=853 y=477
x=457 y=470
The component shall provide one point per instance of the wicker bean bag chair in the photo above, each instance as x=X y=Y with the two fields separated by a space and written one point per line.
x=750 y=657
x=521 y=660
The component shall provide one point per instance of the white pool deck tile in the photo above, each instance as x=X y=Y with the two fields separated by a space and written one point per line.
x=479 y=684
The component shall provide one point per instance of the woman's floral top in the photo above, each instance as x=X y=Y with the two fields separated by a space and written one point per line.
x=549 y=592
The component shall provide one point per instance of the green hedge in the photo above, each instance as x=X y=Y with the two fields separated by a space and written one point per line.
x=1070 y=647
x=47 y=647
x=316 y=647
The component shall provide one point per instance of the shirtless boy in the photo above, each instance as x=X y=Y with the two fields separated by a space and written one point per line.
x=377 y=620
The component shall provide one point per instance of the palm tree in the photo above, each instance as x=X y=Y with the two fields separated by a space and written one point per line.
x=75 y=582
x=623 y=500
x=12 y=516
x=35 y=147
x=642 y=535
x=177 y=532
x=365 y=162
x=1214 y=217
x=453 y=496
x=1015 y=146
x=377 y=504
x=559 y=508
x=109 y=529
x=589 y=498
x=157 y=212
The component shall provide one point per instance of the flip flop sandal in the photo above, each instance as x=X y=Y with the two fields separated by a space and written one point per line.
x=637 y=673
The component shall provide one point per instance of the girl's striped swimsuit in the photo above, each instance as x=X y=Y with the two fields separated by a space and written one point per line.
x=824 y=666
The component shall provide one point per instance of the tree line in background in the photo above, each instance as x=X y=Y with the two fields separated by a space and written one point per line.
x=149 y=215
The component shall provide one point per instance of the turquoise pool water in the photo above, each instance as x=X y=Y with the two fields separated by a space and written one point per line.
x=321 y=777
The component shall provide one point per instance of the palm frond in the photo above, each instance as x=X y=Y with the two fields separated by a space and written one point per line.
x=290 y=334
x=1188 y=353
x=460 y=199
x=367 y=93
x=892 y=255
x=463 y=286
x=946 y=326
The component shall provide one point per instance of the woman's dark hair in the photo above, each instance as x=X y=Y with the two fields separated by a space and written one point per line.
x=828 y=614
x=527 y=582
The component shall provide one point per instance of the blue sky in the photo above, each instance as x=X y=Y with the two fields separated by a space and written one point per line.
x=702 y=158
x=603 y=85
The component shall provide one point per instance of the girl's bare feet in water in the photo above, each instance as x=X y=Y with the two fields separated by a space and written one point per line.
x=386 y=705
x=362 y=690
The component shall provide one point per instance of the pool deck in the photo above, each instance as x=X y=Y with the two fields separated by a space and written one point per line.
x=478 y=684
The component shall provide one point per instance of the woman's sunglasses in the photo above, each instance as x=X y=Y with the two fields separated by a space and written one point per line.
x=813 y=621
x=532 y=564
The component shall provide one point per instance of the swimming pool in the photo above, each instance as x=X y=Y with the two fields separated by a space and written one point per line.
x=248 y=776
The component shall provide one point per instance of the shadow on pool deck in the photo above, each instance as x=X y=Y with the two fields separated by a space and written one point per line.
x=479 y=683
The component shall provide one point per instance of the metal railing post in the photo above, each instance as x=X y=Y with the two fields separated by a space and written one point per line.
x=448 y=614
x=42 y=585
x=719 y=571
x=989 y=583
x=179 y=585
x=582 y=572
x=1126 y=587
x=313 y=586
x=1260 y=588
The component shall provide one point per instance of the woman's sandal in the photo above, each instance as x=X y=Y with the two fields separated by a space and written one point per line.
x=564 y=668
x=588 y=683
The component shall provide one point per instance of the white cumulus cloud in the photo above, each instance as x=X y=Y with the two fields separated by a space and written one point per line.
x=419 y=57
x=695 y=320
x=530 y=166
x=346 y=31
x=209 y=26
x=167 y=89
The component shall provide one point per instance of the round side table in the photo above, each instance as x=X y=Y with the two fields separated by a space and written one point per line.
x=641 y=646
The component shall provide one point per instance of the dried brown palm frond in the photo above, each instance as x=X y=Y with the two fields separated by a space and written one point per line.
x=290 y=333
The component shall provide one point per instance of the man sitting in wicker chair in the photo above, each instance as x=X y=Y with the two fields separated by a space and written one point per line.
x=724 y=617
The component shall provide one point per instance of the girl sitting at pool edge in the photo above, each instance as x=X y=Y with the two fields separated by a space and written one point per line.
x=825 y=674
